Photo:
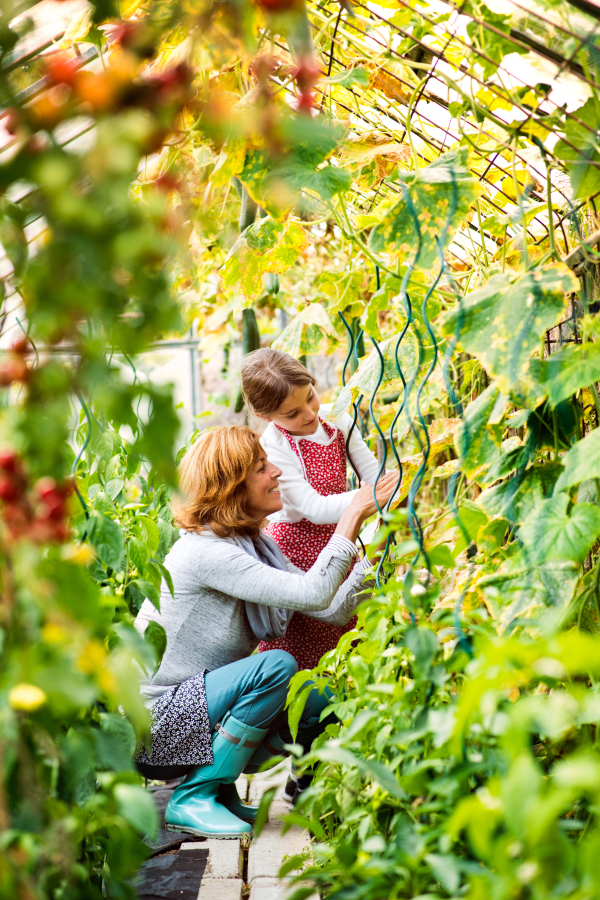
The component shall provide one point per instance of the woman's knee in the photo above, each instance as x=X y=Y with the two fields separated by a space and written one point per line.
x=280 y=664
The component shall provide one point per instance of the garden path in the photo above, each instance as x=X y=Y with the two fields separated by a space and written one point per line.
x=187 y=868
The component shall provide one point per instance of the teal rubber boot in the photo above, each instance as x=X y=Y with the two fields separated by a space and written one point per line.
x=194 y=806
x=231 y=800
x=270 y=747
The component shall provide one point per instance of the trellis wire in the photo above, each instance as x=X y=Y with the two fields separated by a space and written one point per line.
x=408 y=387
x=581 y=41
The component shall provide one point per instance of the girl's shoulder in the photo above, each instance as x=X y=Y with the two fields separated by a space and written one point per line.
x=272 y=437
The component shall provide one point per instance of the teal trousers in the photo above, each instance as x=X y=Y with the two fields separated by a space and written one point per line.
x=254 y=690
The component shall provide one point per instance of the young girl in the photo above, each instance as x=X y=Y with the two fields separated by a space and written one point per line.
x=311 y=454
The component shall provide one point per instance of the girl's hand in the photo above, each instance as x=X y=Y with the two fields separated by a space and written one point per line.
x=363 y=505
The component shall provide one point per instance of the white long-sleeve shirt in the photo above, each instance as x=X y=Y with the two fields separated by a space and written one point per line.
x=300 y=499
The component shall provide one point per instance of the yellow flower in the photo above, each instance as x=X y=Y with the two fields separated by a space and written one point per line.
x=27 y=697
x=92 y=657
x=52 y=633
x=80 y=554
x=108 y=682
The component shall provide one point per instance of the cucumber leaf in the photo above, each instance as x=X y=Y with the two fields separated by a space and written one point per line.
x=502 y=323
x=552 y=532
x=309 y=333
x=441 y=194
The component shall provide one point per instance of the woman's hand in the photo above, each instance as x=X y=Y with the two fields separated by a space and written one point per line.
x=363 y=505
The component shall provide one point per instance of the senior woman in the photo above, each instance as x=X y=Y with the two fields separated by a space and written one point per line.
x=215 y=709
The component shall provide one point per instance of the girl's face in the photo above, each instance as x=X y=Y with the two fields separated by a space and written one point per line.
x=298 y=413
x=262 y=489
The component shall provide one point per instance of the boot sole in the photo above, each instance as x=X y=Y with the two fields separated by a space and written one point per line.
x=207 y=834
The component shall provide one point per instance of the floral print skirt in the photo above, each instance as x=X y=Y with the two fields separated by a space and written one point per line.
x=180 y=727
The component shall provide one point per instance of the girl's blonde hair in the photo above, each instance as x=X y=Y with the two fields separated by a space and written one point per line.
x=212 y=482
x=268 y=378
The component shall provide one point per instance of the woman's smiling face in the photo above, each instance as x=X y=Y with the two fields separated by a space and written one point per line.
x=298 y=413
x=262 y=489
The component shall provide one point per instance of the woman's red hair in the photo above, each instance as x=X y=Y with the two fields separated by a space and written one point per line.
x=212 y=482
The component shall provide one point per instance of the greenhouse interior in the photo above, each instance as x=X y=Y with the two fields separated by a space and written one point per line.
x=300 y=450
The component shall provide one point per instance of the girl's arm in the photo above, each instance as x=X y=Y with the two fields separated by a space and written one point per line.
x=363 y=459
x=297 y=494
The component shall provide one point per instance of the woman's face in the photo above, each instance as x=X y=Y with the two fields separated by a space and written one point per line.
x=298 y=413
x=262 y=489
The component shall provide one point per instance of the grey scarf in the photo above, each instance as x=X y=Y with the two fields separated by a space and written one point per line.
x=267 y=622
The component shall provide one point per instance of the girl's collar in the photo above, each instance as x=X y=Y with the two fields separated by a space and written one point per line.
x=330 y=431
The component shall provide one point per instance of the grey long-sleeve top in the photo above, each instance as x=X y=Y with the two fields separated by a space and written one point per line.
x=206 y=622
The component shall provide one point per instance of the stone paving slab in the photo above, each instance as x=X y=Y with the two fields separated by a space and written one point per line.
x=224 y=859
x=267 y=851
x=273 y=889
x=219 y=889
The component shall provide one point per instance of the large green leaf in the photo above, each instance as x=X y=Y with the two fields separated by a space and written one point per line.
x=156 y=636
x=581 y=462
x=106 y=537
x=519 y=590
x=551 y=532
x=579 y=149
x=275 y=183
x=137 y=808
x=310 y=332
x=115 y=742
x=502 y=322
x=148 y=532
x=478 y=439
x=168 y=535
x=138 y=554
x=442 y=194
x=574 y=366
x=343 y=291
x=515 y=498
x=266 y=246
x=422 y=643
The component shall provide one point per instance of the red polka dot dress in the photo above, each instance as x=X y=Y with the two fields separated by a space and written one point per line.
x=308 y=639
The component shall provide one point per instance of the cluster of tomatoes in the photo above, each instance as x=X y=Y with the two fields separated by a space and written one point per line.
x=307 y=74
x=39 y=514
x=13 y=367
x=72 y=88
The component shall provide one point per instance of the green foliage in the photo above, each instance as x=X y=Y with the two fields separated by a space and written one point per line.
x=581 y=462
x=96 y=288
x=578 y=149
x=310 y=332
x=444 y=777
x=440 y=195
x=273 y=182
x=502 y=323
x=571 y=368
x=264 y=248
x=552 y=531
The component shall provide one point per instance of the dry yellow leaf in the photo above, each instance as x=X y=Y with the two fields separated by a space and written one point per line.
x=389 y=85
